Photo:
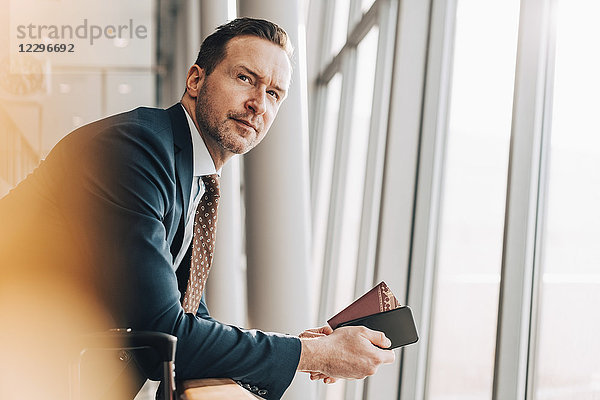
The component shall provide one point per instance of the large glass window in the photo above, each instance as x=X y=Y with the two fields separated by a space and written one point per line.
x=354 y=175
x=366 y=4
x=340 y=25
x=323 y=175
x=358 y=50
x=568 y=344
x=356 y=168
x=471 y=222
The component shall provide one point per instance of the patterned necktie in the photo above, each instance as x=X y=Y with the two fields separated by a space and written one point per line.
x=203 y=243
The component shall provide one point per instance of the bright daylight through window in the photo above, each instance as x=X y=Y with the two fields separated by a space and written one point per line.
x=473 y=198
x=568 y=346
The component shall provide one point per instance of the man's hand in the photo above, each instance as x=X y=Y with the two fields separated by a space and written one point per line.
x=312 y=333
x=316 y=332
x=351 y=352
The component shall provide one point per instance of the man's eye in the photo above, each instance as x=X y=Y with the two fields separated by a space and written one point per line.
x=244 y=78
x=273 y=94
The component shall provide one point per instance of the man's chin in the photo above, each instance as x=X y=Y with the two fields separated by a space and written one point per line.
x=239 y=146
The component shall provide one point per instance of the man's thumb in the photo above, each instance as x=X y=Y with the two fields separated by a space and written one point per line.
x=379 y=339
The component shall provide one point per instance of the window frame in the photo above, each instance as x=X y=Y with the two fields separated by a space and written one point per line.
x=399 y=225
x=382 y=14
x=532 y=99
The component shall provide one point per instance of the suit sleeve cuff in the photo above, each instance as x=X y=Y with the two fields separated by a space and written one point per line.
x=287 y=350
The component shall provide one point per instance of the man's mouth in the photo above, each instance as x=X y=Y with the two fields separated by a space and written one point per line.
x=246 y=123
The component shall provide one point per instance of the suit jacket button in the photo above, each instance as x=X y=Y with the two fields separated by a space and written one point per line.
x=254 y=389
x=246 y=386
x=262 y=392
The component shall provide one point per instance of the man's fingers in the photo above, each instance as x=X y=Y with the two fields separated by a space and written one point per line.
x=388 y=356
x=315 y=376
x=310 y=334
x=325 y=330
x=315 y=332
x=352 y=352
x=377 y=338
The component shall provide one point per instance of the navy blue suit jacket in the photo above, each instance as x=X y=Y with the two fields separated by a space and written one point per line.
x=110 y=197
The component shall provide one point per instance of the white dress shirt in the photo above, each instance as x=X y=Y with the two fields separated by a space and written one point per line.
x=203 y=165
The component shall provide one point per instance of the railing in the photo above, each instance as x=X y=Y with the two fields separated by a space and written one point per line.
x=17 y=156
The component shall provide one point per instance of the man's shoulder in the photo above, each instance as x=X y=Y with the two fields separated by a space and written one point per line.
x=145 y=124
x=152 y=119
x=142 y=129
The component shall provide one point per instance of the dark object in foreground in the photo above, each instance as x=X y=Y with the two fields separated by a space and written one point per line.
x=397 y=324
x=133 y=357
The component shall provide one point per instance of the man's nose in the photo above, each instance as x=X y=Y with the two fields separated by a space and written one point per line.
x=256 y=102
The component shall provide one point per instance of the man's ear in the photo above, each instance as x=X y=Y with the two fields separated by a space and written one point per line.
x=194 y=80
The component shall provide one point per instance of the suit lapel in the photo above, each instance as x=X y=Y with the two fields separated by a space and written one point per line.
x=183 y=167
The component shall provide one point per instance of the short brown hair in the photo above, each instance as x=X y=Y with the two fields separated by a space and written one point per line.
x=212 y=51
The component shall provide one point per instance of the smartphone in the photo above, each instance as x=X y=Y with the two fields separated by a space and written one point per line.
x=397 y=324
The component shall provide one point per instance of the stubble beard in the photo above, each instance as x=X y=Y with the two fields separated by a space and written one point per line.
x=222 y=132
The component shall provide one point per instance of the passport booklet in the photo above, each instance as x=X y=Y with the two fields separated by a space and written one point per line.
x=378 y=309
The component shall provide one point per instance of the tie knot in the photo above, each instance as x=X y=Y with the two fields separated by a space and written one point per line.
x=211 y=185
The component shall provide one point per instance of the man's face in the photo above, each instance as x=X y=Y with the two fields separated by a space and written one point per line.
x=239 y=100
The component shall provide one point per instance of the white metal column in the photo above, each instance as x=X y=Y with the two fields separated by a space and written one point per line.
x=214 y=13
x=276 y=190
x=512 y=343
x=400 y=172
x=194 y=36
x=426 y=212
x=386 y=17
x=226 y=291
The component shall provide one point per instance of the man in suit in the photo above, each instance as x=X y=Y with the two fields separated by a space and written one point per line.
x=111 y=210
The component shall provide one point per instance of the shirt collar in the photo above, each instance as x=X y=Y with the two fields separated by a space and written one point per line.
x=203 y=162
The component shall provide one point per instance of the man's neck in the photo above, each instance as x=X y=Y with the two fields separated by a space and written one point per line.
x=219 y=155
